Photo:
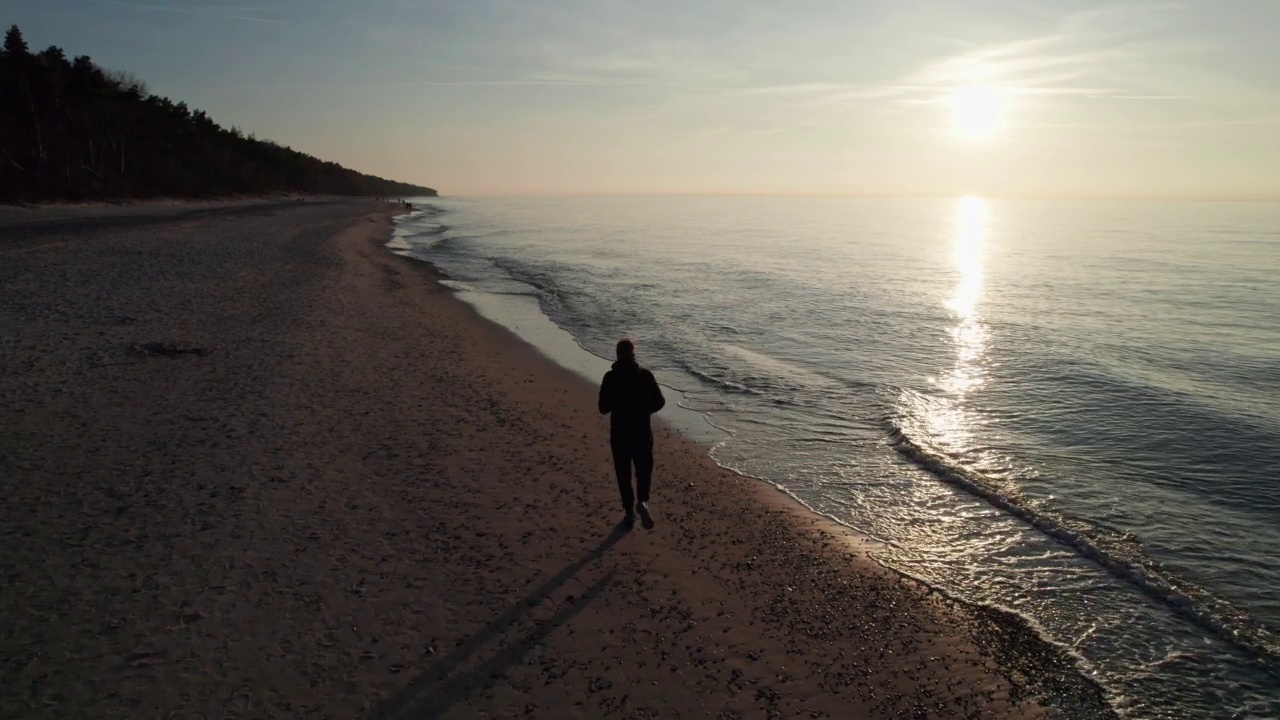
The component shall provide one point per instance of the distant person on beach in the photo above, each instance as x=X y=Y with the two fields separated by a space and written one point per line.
x=629 y=395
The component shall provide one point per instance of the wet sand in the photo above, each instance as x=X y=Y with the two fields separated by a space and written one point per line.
x=256 y=466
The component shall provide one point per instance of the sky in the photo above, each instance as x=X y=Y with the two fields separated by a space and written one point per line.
x=884 y=97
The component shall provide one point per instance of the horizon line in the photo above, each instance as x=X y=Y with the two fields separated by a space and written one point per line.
x=1154 y=197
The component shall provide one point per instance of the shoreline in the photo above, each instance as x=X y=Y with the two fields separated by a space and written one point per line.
x=765 y=491
x=355 y=496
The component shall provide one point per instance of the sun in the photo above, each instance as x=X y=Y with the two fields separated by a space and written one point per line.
x=977 y=112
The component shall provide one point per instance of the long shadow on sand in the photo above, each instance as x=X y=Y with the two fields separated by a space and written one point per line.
x=434 y=693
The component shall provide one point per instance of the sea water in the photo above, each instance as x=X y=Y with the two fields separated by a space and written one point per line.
x=1069 y=410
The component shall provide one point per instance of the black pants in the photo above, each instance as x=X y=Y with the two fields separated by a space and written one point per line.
x=636 y=449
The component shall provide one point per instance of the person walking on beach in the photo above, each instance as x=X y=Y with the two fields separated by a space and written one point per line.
x=629 y=395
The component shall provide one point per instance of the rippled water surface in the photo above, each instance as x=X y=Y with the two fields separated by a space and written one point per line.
x=1067 y=409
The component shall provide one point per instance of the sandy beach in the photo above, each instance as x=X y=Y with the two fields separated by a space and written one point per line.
x=254 y=465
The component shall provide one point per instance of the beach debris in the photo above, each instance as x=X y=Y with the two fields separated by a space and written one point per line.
x=144 y=658
x=164 y=349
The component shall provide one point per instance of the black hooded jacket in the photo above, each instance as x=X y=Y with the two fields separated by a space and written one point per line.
x=630 y=394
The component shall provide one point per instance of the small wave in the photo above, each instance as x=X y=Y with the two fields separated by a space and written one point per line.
x=542 y=282
x=424 y=210
x=728 y=385
x=1119 y=553
x=516 y=293
x=725 y=328
x=429 y=232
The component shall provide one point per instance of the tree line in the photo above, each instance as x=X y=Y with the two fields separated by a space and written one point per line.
x=72 y=130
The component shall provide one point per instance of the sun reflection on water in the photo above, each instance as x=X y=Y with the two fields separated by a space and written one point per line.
x=971 y=231
x=948 y=421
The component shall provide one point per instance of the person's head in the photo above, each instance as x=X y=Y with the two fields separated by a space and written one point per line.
x=626 y=349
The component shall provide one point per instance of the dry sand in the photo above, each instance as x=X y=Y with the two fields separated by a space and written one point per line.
x=253 y=465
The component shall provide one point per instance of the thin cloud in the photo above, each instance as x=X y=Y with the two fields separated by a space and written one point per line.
x=1128 y=129
x=1120 y=53
x=846 y=91
x=534 y=82
x=1144 y=97
x=583 y=83
x=479 y=83
x=203 y=11
x=1011 y=63
x=1223 y=122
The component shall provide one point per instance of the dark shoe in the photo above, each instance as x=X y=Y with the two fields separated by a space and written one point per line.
x=629 y=521
x=645 y=518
